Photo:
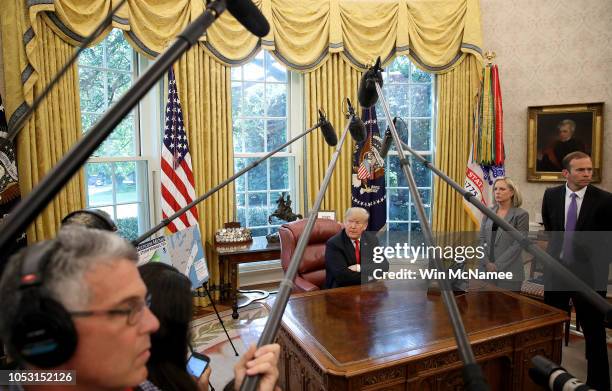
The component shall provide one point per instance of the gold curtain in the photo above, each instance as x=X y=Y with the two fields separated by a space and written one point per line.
x=303 y=35
x=203 y=87
x=325 y=88
x=56 y=125
x=457 y=92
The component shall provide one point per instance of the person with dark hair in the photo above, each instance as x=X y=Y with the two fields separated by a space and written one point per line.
x=171 y=303
x=90 y=218
x=552 y=156
x=578 y=217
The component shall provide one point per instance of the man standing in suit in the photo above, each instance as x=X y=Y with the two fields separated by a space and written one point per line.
x=579 y=217
x=349 y=253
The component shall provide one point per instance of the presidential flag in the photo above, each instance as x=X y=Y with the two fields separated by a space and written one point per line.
x=10 y=194
x=368 y=179
x=177 y=184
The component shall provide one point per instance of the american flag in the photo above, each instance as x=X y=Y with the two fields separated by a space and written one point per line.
x=177 y=185
x=365 y=170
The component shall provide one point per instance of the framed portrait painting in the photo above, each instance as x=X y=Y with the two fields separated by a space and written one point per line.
x=555 y=131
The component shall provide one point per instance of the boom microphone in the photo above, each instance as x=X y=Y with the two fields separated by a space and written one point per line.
x=386 y=143
x=367 y=90
x=329 y=134
x=249 y=16
x=356 y=125
x=553 y=377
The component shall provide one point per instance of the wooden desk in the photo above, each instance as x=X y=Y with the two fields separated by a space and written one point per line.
x=386 y=336
x=232 y=255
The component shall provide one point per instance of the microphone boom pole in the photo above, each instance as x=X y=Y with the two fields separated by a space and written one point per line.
x=271 y=328
x=29 y=207
x=229 y=180
x=472 y=374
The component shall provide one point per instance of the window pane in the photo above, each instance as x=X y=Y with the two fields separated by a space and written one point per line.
x=236 y=98
x=119 y=55
x=241 y=216
x=127 y=220
x=240 y=199
x=99 y=184
x=421 y=134
x=276 y=133
x=93 y=56
x=403 y=227
x=236 y=73
x=420 y=96
x=275 y=71
x=422 y=175
x=420 y=76
x=279 y=173
x=253 y=99
x=118 y=83
x=91 y=89
x=254 y=70
x=397 y=97
x=257 y=178
x=253 y=133
x=398 y=71
x=121 y=142
x=259 y=232
x=240 y=182
x=238 y=140
x=125 y=175
x=276 y=100
x=258 y=209
x=396 y=176
x=399 y=200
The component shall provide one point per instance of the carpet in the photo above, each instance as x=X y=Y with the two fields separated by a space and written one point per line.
x=208 y=338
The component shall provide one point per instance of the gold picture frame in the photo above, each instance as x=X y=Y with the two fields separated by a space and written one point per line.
x=555 y=131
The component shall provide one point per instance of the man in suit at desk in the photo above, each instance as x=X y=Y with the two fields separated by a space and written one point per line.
x=349 y=253
x=579 y=218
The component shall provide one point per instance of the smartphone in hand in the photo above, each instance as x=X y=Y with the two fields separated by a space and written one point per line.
x=197 y=364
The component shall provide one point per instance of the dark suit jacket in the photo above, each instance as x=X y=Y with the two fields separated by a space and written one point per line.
x=591 y=242
x=340 y=254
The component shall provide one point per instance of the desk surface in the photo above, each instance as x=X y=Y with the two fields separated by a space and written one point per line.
x=350 y=330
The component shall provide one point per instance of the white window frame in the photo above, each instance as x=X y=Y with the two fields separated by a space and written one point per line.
x=147 y=115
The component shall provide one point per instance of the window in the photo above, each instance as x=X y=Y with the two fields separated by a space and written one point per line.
x=260 y=114
x=410 y=95
x=116 y=175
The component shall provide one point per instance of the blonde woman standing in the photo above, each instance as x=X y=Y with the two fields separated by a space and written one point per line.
x=502 y=252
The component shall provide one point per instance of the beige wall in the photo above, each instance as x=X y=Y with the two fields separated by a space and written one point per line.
x=549 y=52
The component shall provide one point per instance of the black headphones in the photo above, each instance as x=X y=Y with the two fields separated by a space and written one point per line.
x=42 y=332
x=106 y=223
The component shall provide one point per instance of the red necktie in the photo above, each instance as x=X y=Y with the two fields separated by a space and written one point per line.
x=357 y=252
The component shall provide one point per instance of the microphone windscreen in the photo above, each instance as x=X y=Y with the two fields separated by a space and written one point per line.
x=249 y=16
x=357 y=129
x=367 y=94
x=329 y=134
